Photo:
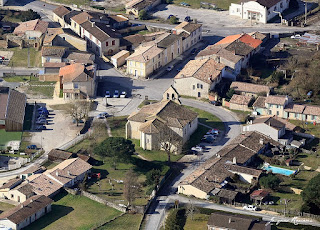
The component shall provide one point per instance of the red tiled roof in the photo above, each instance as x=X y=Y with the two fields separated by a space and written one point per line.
x=229 y=39
x=260 y=192
x=254 y=43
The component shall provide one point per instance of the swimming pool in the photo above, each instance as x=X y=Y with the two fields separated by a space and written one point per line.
x=278 y=170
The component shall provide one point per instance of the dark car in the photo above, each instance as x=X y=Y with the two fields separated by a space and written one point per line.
x=193 y=51
x=207 y=139
x=31 y=147
x=216 y=103
x=187 y=19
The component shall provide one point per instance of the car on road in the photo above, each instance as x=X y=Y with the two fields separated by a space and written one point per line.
x=108 y=94
x=103 y=115
x=197 y=148
x=123 y=94
x=193 y=51
x=31 y=147
x=116 y=93
x=169 y=68
x=250 y=208
x=296 y=36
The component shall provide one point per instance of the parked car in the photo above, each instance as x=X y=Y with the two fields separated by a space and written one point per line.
x=214 y=131
x=208 y=139
x=108 y=94
x=296 y=36
x=123 y=94
x=197 y=148
x=116 y=93
x=250 y=208
x=215 y=103
x=41 y=127
x=170 y=16
x=103 y=115
x=41 y=122
x=187 y=19
x=169 y=68
x=193 y=51
x=31 y=147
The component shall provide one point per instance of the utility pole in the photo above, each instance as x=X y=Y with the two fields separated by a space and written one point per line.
x=305 y=13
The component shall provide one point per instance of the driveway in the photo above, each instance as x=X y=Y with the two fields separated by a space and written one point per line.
x=156 y=212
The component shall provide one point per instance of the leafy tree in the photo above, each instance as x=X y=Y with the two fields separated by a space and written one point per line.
x=131 y=187
x=118 y=149
x=269 y=181
x=173 y=20
x=143 y=15
x=176 y=220
x=229 y=94
x=153 y=177
x=311 y=196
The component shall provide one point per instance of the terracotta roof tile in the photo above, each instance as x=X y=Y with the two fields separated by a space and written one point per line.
x=240 y=99
x=33 y=25
x=61 y=11
x=81 y=18
x=53 y=51
x=228 y=39
x=206 y=70
x=294 y=108
x=276 y=99
x=249 y=87
x=254 y=43
x=28 y=208
x=312 y=110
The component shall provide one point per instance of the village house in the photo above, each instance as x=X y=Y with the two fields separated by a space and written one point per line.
x=235 y=158
x=35 y=169
x=78 y=81
x=191 y=34
x=240 y=102
x=221 y=220
x=44 y=185
x=272 y=127
x=259 y=196
x=234 y=51
x=52 y=54
x=21 y=192
x=171 y=94
x=12 y=109
x=57 y=155
x=249 y=89
x=258 y=10
x=64 y=37
x=199 y=77
x=10 y=184
x=271 y=105
x=148 y=123
x=26 y=213
x=135 y=6
x=119 y=59
x=133 y=41
x=59 y=13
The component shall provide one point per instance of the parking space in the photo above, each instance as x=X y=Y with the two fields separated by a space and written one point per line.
x=115 y=90
x=59 y=129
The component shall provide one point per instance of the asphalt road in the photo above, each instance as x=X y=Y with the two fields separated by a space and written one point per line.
x=156 y=212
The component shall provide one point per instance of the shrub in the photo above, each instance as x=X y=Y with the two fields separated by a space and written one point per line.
x=143 y=15
x=269 y=181
x=153 y=177
x=176 y=219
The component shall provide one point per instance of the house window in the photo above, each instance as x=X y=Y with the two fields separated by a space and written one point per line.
x=201 y=86
x=173 y=97
x=281 y=5
x=199 y=94
x=107 y=43
x=278 y=113
x=141 y=65
x=168 y=96
x=113 y=42
x=76 y=85
x=312 y=117
x=269 y=112
x=158 y=55
x=193 y=87
x=275 y=7
x=296 y=115
x=198 y=86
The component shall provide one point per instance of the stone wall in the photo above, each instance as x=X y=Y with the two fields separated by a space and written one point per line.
x=49 y=77
x=102 y=201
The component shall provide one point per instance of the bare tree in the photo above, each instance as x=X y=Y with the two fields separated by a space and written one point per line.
x=131 y=187
x=79 y=110
x=99 y=130
x=169 y=141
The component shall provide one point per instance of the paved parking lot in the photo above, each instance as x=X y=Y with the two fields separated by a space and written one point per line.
x=60 y=130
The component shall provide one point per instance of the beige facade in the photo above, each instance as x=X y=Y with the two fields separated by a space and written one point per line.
x=119 y=59
x=192 y=87
x=189 y=190
x=239 y=107
x=17 y=196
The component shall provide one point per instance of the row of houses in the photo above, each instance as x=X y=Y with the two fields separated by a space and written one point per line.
x=97 y=29
x=212 y=178
x=150 y=56
x=224 y=59
x=35 y=188
x=284 y=107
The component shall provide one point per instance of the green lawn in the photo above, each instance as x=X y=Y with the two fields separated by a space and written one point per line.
x=127 y=222
x=118 y=126
x=20 y=78
x=242 y=115
x=20 y=57
x=309 y=127
x=49 y=164
x=76 y=2
x=74 y=212
x=199 y=222
x=5 y=137
x=45 y=91
x=5 y=206
x=222 y=4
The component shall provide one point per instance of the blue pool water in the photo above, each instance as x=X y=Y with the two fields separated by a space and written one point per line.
x=278 y=170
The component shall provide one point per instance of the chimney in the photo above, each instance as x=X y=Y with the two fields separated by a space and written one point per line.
x=93 y=24
x=57 y=173
x=261 y=141
x=31 y=200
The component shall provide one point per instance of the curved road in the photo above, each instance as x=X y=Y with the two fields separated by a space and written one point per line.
x=156 y=212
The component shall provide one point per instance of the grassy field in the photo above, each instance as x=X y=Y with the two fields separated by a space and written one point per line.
x=74 y=212
x=4 y=207
x=23 y=78
x=199 y=222
x=5 y=137
x=45 y=89
x=76 y=2
x=117 y=126
x=127 y=221
x=49 y=164
x=309 y=127
x=20 y=57
x=222 y=4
